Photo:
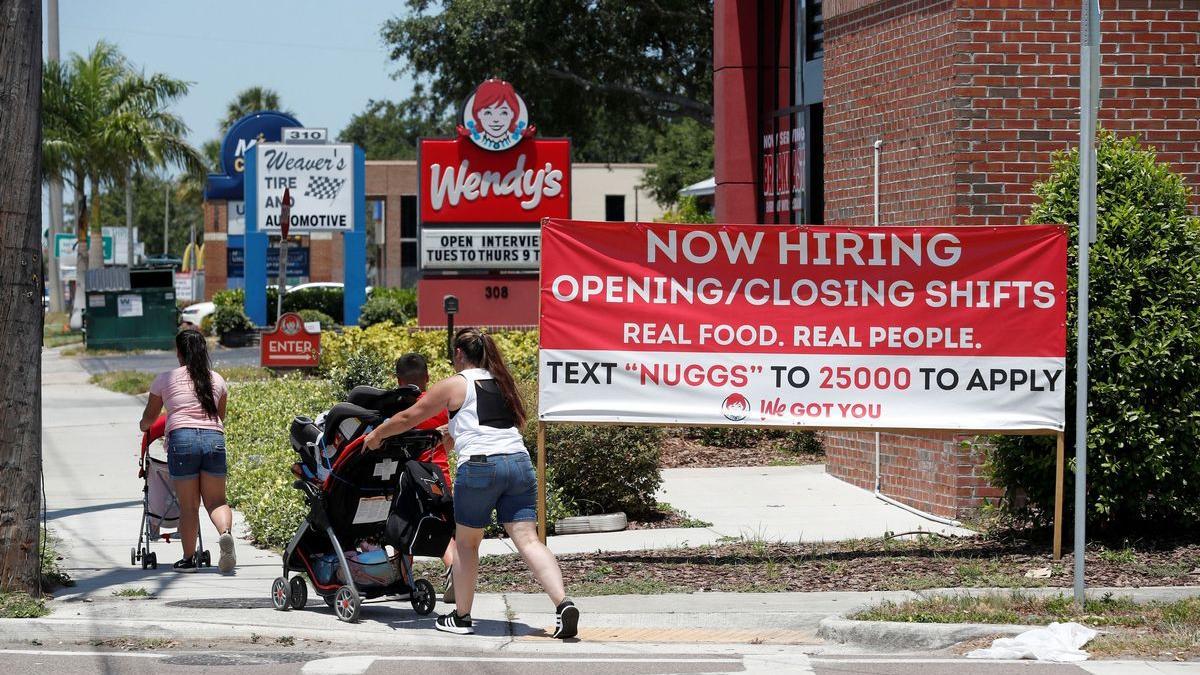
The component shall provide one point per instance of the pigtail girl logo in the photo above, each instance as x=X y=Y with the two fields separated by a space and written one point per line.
x=494 y=116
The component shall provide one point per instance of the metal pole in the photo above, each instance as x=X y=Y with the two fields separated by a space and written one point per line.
x=875 y=223
x=166 y=216
x=1088 y=79
x=283 y=249
x=541 y=481
x=128 y=216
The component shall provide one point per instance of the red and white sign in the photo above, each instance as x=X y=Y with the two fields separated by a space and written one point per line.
x=463 y=183
x=893 y=327
x=493 y=300
x=291 y=344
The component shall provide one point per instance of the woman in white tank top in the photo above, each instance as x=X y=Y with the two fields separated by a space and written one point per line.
x=494 y=473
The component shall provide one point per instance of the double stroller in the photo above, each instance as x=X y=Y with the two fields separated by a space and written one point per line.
x=362 y=503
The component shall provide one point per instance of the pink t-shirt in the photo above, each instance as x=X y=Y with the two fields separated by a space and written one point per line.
x=179 y=396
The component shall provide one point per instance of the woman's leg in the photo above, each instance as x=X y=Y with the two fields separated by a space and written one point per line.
x=538 y=557
x=466 y=566
x=188 y=492
x=212 y=491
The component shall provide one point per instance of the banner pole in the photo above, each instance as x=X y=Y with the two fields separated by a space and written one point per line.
x=541 y=480
x=1058 y=495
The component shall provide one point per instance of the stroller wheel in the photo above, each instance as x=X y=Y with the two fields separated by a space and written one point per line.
x=424 y=598
x=299 y=593
x=280 y=596
x=153 y=558
x=347 y=604
x=329 y=600
x=133 y=555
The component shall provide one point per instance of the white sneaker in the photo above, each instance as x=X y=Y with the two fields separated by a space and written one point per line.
x=228 y=559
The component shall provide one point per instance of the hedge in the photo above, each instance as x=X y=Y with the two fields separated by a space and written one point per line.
x=1144 y=346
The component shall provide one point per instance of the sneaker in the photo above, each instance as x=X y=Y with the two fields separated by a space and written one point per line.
x=448 y=593
x=186 y=565
x=228 y=559
x=566 y=620
x=453 y=623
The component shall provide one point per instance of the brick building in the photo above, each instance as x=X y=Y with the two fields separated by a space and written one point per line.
x=968 y=99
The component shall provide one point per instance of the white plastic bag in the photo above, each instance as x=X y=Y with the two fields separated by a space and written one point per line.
x=1058 y=642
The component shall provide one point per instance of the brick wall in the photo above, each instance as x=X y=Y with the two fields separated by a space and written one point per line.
x=970 y=98
x=1016 y=96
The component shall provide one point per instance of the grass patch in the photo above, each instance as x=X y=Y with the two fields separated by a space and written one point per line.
x=135 y=644
x=132 y=593
x=56 y=333
x=131 y=382
x=245 y=373
x=53 y=575
x=1128 y=628
x=18 y=605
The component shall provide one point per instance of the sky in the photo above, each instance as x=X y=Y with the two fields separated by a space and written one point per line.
x=325 y=58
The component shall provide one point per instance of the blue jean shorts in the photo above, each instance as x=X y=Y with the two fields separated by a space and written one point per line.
x=505 y=483
x=190 y=451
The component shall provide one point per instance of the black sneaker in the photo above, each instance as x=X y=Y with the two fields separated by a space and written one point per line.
x=566 y=620
x=186 y=565
x=453 y=623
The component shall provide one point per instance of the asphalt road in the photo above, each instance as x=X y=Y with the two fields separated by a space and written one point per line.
x=158 y=361
x=85 y=659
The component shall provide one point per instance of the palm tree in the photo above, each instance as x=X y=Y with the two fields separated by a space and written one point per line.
x=249 y=100
x=103 y=120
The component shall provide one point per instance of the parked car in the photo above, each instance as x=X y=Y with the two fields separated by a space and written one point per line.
x=336 y=285
x=194 y=314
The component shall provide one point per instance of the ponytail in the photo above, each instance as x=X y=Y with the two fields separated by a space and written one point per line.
x=481 y=350
x=193 y=352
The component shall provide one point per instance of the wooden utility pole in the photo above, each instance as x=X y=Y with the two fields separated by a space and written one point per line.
x=20 y=291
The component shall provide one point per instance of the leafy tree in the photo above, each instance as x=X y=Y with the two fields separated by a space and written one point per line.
x=149 y=196
x=1144 y=346
x=682 y=156
x=387 y=130
x=249 y=100
x=103 y=119
x=608 y=74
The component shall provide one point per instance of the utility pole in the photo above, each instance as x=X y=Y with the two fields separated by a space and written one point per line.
x=166 y=216
x=20 y=293
x=1089 y=103
x=128 y=216
x=56 y=185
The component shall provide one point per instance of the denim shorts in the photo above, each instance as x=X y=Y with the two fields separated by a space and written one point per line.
x=190 y=451
x=505 y=483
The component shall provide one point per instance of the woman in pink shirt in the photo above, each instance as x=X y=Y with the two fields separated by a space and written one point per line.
x=195 y=399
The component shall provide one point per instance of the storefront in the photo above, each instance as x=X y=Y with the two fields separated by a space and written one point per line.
x=964 y=101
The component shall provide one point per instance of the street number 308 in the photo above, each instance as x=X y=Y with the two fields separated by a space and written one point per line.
x=495 y=292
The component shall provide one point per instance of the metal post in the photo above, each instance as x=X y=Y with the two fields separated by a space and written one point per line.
x=541 y=480
x=875 y=223
x=1089 y=67
x=128 y=217
x=166 y=216
x=1059 y=460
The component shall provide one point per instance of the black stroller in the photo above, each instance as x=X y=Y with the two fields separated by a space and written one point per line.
x=385 y=497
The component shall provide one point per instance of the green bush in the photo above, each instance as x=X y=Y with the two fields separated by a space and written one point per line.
x=327 y=322
x=380 y=309
x=407 y=297
x=229 y=318
x=1144 y=342
x=206 y=325
x=742 y=437
x=601 y=469
x=326 y=300
x=261 y=456
x=363 y=367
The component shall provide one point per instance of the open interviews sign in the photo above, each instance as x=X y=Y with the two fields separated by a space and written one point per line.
x=894 y=327
x=480 y=248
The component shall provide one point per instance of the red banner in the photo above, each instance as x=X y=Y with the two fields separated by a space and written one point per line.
x=936 y=327
x=463 y=183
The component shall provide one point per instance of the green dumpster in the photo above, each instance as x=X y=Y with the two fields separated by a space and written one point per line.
x=131 y=308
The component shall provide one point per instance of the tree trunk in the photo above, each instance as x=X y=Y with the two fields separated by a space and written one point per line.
x=96 y=247
x=20 y=292
x=128 y=218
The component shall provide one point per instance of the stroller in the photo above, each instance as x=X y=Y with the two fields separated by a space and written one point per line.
x=382 y=497
x=160 y=505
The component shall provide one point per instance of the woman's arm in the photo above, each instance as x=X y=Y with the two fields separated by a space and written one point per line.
x=153 y=407
x=438 y=398
x=221 y=405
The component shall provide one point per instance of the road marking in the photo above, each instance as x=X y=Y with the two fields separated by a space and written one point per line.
x=784 y=664
x=354 y=665
x=51 y=652
x=1137 y=668
x=902 y=660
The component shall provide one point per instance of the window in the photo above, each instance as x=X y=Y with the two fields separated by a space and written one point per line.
x=408 y=217
x=614 y=207
x=409 y=263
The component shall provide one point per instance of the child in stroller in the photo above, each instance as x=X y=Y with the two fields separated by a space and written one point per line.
x=369 y=500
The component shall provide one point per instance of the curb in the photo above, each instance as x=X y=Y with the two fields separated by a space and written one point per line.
x=908 y=637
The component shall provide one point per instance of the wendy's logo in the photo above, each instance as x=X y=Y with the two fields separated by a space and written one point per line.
x=735 y=407
x=494 y=116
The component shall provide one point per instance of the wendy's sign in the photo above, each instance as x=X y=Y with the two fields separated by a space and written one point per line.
x=494 y=171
